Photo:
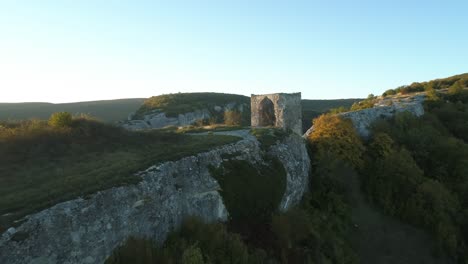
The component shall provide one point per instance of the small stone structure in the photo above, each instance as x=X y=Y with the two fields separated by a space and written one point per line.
x=277 y=110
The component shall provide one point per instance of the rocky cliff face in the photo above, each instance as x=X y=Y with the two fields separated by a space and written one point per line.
x=88 y=230
x=386 y=108
x=158 y=119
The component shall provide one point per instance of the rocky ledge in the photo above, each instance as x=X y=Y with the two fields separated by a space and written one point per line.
x=88 y=230
x=385 y=108
x=158 y=119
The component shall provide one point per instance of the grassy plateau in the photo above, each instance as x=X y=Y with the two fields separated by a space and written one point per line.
x=42 y=165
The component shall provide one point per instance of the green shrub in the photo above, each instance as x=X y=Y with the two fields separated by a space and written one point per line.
x=269 y=136
x=338 y=110
x=194 y=242
x=60 y=119
x=457 y=87
x=369 y=102
x=192 y=255
x=336 y=138
x=232 y=118
x=389 y=92
x=251 y=193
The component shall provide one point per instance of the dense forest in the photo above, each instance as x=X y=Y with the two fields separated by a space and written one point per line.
x=417 y=170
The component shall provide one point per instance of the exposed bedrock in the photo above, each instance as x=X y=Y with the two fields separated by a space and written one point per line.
x=88 y=230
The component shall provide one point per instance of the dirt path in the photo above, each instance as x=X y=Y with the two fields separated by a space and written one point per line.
x=243 y=133
x=380 y=239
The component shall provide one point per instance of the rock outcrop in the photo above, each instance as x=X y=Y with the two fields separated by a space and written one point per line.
x=88 y=230
x=385 y=108
x=158 y=119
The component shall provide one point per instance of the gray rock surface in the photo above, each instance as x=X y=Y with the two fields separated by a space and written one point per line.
x=385 y=108
x=88 y=230
x=296 y=169
x=158 y=119
x=287 y=109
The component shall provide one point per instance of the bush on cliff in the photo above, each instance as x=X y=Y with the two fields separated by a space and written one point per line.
x=369 y=102
x=60 y=119
x=251 y=193
x=335 y=137
x=232 y=118
x=195 y=242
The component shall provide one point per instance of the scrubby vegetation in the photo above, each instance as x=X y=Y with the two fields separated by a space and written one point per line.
x=451 y=83
x=60 y=119
x=334 y=138
x=232 y=118
x=47 y=162
x=194 y=243
x=417 y=170
x=107 y=111
x=251 y=193
x=368 y=103
x=180 y=103
x=314 y=108
x=269 y=136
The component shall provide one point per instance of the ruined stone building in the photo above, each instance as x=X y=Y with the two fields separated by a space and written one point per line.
x=277 y=110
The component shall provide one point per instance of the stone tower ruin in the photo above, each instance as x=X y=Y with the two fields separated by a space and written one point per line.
x=277 y=110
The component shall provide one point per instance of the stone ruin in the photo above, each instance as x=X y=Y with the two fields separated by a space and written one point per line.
x=277 y=110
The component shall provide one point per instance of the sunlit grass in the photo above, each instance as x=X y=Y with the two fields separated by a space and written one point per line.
x=41 y=166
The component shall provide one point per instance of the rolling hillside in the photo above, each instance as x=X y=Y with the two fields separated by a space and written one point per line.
x=107 y=110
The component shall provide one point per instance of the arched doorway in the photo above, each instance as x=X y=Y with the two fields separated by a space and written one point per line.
x=266 y=111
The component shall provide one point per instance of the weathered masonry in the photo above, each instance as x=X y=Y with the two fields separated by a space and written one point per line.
x=277 y=110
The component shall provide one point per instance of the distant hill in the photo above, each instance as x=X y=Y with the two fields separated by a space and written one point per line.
x=180 y=103
x=106 y=110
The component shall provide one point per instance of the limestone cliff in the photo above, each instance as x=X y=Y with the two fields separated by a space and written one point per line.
x=158 y=119
x=87 y=230
x=385 y=108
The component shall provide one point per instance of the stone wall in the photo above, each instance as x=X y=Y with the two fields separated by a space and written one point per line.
x=88 y=230
x=287 y=109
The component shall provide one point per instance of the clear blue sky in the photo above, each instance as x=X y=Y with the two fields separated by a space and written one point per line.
x=75 y=50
